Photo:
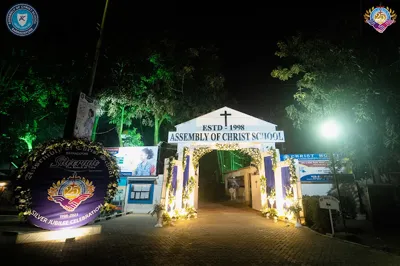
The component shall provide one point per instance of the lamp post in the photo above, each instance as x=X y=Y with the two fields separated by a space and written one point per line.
x=330 y=130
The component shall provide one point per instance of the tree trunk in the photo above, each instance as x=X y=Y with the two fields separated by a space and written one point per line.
x=374 y=172
x=95 y=124
x=29 y=144
x=121 y=127
x=157 y=124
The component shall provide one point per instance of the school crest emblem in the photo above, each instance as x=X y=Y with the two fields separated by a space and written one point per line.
x=70 y=192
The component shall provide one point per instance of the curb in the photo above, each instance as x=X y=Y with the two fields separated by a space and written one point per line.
x=16 y=237
x=101 y=219
x=349 y=242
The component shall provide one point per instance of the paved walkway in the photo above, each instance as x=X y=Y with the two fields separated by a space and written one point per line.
x=222 y=235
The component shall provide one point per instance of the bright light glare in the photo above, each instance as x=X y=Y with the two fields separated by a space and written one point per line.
x=3 y=184
x=330 y=130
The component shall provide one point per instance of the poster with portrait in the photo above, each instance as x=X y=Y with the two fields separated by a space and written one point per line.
x=136 y=161
x=85 y=117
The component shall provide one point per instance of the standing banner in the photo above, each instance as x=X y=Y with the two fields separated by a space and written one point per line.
x=85 y=116
x=64 y=184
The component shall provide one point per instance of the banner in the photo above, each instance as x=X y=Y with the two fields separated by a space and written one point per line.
x=314 y=168
x=226 y=137
x=85 y=117
x=136 y=161
x=68 y=187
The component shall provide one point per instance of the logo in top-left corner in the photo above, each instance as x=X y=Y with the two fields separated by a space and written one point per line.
x=22 y=19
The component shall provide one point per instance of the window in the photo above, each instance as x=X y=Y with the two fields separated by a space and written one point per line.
x=140 y=191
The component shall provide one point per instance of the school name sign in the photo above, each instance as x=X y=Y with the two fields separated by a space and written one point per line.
x=226 y=137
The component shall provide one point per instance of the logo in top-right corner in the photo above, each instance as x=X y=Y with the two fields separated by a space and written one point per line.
x=380 y=18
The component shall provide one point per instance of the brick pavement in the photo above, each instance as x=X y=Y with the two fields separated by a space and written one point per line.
x=222 y=235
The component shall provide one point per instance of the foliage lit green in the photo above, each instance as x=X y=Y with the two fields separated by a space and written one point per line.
x=334 y=81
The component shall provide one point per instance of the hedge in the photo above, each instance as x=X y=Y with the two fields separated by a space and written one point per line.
x=315 y=217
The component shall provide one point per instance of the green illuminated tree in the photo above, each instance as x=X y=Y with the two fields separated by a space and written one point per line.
x=123 y=101
x=334 y=81
x=33 y=107
x=131 y=138
x=181 y=84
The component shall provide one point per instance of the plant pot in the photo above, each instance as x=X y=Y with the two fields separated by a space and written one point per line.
x=275 y=219
x=159 y=219
x=298 y=224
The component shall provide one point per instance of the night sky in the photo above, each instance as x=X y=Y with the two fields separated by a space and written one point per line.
x=246 y=33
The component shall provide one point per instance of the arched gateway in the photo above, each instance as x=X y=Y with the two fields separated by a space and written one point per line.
x=228 y=129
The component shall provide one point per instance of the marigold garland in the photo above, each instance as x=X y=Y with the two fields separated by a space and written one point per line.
x=23 y=198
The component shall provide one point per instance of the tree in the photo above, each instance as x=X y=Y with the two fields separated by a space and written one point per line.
x=123 y=101
x=182 y=83
x=131 y=138
x=33 y=106
x=334 y=81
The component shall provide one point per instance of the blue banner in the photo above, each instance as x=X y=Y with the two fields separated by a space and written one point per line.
x=269 y=172
x=285 y=179
x=317 y=178
x=309 y=156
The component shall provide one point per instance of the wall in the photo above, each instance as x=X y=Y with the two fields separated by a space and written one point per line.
x=246 y=172
x=145 y=208
x=315 y=189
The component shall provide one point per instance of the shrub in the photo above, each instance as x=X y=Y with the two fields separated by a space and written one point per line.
x=315 y=217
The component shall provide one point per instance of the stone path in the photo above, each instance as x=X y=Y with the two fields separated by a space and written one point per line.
x=222 y=235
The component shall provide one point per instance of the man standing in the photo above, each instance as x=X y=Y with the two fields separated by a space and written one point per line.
x=232 y=191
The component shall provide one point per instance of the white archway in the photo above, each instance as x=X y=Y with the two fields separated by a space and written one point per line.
x=228 y=129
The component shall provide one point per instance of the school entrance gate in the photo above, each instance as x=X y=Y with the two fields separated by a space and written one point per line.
x=274 y=183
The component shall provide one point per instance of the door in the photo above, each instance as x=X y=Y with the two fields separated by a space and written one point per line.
x=250 y=199
x=256 y=192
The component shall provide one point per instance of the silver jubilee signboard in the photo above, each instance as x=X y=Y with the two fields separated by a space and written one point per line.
x=226 y=125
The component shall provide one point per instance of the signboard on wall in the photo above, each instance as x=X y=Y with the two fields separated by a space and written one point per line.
x=136 y=161
x=314 y=168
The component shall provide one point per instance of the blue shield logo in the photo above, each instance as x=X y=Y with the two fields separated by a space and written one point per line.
x=22 y=20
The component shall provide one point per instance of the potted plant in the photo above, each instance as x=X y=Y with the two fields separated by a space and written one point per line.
x=265 y=210
x=273 y=213
x=296 y=209
x=159 y=210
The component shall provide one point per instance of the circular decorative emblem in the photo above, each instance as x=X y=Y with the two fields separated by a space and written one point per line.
x=64 y=184
x=380 y=18
x=22 y=19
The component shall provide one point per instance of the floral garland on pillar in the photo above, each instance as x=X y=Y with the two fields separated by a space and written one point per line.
x=263 y=185
x=293 y=182
x=292 y=170
x=272 y=152
x=169 y=193
x=22 y=192
x=185 y=153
